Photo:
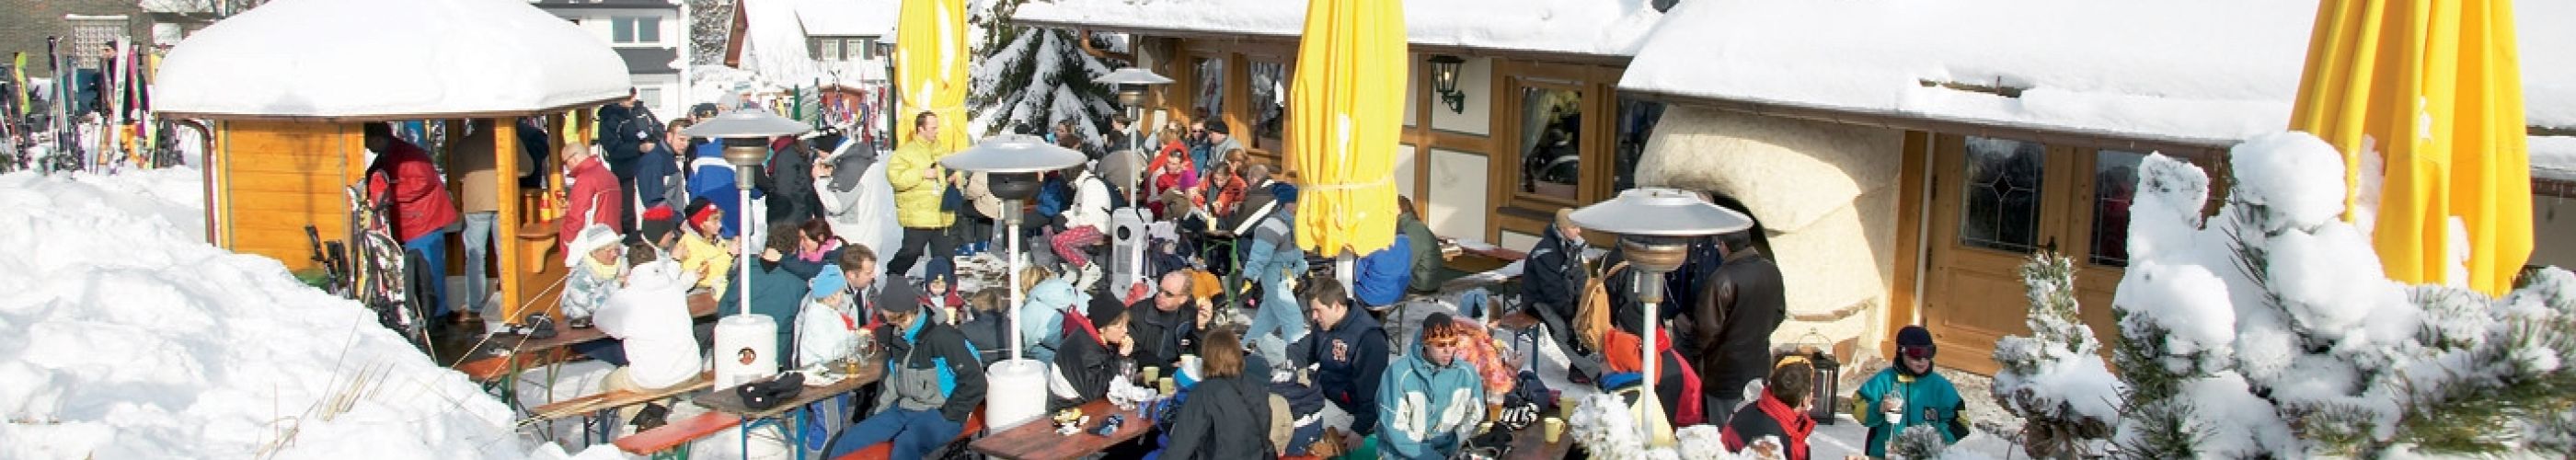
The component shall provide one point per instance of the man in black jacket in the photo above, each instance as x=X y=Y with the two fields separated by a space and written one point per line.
x=627 y=131
x=934 y=381
x=1348 y=352
x=1165 y=323
x=1554 y=273
x=1094 y=343
x=1739 y=306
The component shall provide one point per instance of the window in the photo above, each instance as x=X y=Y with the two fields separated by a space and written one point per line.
x=840 y=48
x=2001 y=196
x=1551 y=142
x=2115 y=184
x=1211 y=90
x=1637 y=120
x=652 y=97
x=1269 y=103
x=629 y=30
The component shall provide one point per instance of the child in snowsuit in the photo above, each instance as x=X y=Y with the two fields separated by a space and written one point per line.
x=1921 y=396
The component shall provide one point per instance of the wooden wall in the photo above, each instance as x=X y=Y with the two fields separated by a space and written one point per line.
x=274 y=178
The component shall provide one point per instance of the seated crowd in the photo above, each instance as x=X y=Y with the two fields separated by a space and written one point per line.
x=1260 y=345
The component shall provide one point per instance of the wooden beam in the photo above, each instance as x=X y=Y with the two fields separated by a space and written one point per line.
x=505 y=231
x=1912 y=172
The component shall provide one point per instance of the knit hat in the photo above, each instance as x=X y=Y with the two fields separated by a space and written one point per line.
x=1102 y=310
x=1284 y=192
x=658 y=221
x=1218 y=126
x=899 y=298
x=826 y=282
x=591 y=238
x=700 y=210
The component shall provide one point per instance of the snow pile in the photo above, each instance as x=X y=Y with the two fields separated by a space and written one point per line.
x=1594 y=27
x=131 y=338
x=2271 y=329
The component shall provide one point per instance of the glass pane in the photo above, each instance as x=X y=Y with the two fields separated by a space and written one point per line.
x=2115 y=182
x=2000 y=208
x=1211 y=90
x=648 y=30
x=1637 y=120
x=826 y=49
x=622 y=30
x=1269 y=102
x=1551 y=144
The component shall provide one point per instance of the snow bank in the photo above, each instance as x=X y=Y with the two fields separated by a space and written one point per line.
x=1595 y=27
x=131 y=338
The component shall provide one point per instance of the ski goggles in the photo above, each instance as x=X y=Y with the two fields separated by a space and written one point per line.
x=1915 y=352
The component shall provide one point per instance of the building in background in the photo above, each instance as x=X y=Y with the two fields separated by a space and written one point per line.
x=646 y=33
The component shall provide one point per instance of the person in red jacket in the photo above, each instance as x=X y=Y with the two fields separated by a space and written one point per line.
x=1779 y=416
x=403 y=178
x=594 y=196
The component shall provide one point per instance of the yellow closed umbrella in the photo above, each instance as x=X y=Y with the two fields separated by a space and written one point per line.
x=930 y=68
x=1344 y=108
x=2436 y=87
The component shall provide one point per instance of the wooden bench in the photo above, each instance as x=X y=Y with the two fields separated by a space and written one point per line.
x=676 y=434
x=885 y=450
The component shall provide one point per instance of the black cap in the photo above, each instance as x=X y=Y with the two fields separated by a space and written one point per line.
x=1914 y=336
x=899 y=297
x=1103 y=309
x=1218 y=126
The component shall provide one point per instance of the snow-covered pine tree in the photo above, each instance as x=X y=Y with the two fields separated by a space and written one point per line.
x=2054 y=379
x=710 y=24
x=2273 y=332
x=1037 y=76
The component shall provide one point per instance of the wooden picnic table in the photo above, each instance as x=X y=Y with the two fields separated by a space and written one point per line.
x=503 y=360
x=1037 y=440
x=1531 y=443
x=727 y=401
x=587 y=405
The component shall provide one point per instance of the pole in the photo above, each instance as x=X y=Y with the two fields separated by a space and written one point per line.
x=1012 y=219
x=742 y=241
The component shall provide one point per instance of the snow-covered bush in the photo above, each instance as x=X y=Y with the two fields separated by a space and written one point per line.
x=2055 y=379
x=2270 y=329
x=1606 y=426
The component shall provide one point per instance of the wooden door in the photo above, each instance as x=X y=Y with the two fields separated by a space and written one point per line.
x=1994 y=203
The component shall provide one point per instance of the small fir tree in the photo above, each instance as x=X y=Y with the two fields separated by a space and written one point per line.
x=1038 y=77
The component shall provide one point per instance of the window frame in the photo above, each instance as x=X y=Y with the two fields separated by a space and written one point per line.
x=635 y=28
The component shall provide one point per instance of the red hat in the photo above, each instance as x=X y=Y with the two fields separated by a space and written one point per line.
x=699 y=219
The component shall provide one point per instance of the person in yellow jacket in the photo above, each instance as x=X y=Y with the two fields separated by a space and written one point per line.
x=704 y=254
x=920 y=184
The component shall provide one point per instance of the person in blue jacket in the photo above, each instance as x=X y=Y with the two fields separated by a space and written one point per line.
x=1431 y=401
x=710 y=177
x=1922 y=397
x=1348 y=351
x=933 y=381
x=774 y=291
x=1384 y=274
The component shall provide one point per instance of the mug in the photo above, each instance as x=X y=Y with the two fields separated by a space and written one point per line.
x=1555 y=428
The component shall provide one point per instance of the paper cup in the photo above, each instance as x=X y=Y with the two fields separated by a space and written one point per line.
x=1152 y=372
x=1555 y=428
x=1167 y=386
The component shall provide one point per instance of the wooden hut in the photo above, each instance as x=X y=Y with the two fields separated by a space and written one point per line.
x=289 y=85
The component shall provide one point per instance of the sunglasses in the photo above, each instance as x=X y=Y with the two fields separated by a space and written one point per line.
x=1915 y=352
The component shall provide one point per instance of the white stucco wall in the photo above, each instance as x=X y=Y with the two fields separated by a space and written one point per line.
x=1456 y=207
x=1825 y=192
x=2553 y=231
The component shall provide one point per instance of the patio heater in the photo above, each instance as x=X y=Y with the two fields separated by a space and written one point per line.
x=746 y=135
x=1127 y=255
x=1012 y=163
x=1655 y=226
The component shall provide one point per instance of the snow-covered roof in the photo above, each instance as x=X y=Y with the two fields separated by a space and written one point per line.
x=847 y=18
x=1592 y=27
x=2208 y=71
x=310 y=58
